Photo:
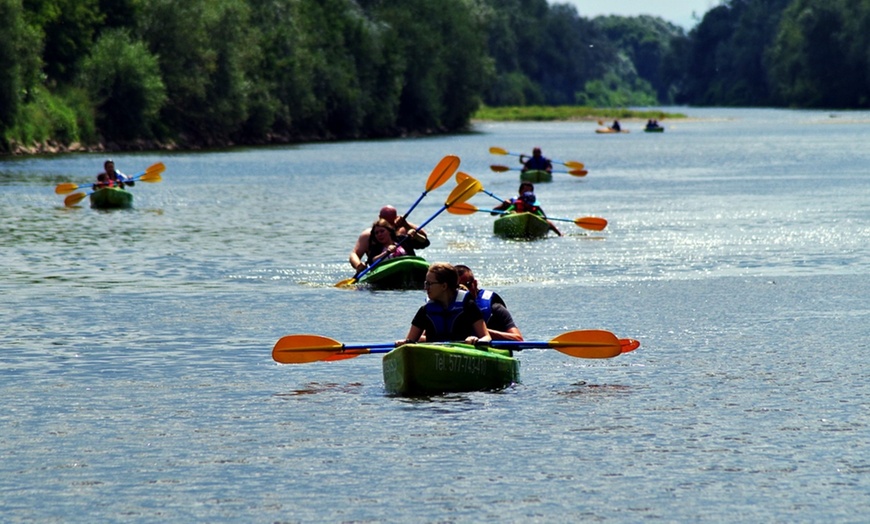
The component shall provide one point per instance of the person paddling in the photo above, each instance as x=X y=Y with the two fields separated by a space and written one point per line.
x=524 y=187
x=528 y=203
x=450 y=315
x=536 y=162
x=499 y=321
x=111 y=177
x=416 y=238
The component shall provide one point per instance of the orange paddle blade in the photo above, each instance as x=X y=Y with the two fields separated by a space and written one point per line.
x=300 y=349
x=629 y=344
x=588 y=343
x=578 y=172
x=499 y=169
x=442 y=172
x=591 y=223
x=462 y=208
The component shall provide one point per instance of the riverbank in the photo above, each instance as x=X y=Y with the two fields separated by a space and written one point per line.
x=567 y=113
x=484 y=114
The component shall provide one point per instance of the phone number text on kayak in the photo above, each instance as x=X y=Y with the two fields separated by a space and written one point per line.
x=460 y=364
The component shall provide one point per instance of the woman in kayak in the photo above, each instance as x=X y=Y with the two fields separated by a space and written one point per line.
x=383 y=242
x=450 y=315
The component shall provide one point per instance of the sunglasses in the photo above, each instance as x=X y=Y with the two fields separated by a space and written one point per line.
x=427 y=284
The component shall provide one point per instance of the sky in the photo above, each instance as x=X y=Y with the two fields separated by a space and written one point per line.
x=678 y=12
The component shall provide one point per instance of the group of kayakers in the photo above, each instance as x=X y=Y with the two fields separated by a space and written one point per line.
x=457 y=308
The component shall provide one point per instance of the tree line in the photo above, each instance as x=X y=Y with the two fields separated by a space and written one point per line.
x=213 y=72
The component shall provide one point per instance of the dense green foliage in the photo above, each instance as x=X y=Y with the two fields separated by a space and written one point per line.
x=212 y=72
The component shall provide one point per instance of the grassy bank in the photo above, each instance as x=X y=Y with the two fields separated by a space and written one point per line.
x=544 y=113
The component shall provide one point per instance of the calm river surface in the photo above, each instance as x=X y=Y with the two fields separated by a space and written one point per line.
x=138 y=383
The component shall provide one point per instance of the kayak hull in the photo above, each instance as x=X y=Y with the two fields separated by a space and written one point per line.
x=609 y=131
x=536 y=175
x=520 y=225
x=397 y=273
x=654 y=130
x=430 y=369
x=111 y=198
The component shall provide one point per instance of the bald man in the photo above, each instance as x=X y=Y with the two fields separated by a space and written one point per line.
x=404 y=229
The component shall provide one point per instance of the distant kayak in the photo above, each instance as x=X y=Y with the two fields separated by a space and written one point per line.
x=657 y=129
x=609 y=130
x=111 y=198
x=536 y=175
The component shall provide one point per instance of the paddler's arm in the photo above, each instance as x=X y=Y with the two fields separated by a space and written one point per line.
x=362 y=245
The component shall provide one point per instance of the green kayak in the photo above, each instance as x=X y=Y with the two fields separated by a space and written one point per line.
x=654 y=129
x=429 y=369
x=111 y=198
x=535 y=176
x=520 y=225
x=398 y=273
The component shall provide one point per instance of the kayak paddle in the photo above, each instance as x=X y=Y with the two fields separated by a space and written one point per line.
x=574 y=172
x=570 y=163
x=75 y=198
x=440 y=174
x=591 y=223
x=69 y=187
x=589 y=343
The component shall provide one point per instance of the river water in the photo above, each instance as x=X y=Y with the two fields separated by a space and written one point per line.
x=135 y=360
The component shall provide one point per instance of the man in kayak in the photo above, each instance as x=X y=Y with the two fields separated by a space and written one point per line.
x=450 y=315
x=408 y=235
x=536 y=162
x=111 y=177
x=499 y=321
x=528 y=203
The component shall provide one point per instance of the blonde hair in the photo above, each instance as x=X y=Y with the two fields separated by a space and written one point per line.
x=446 y=274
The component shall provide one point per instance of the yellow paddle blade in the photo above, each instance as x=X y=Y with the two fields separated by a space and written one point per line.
x=151 y=178
x=462 y=208
x=346 y=282
x=591 y=223
x=301 y=349
x=463 y=191
x=573 y=164
x=73 y=199
x=66 y=187
x=442 y=172
x=498 y=151
x=500 y=169
x=156 y=168
x=588 y=343
x=578 y=172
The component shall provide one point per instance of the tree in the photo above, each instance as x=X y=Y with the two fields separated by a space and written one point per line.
x=20 y=49
x=123 y=79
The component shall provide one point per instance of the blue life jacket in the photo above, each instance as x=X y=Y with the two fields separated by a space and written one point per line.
x=443 y=319
x=484 y=302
